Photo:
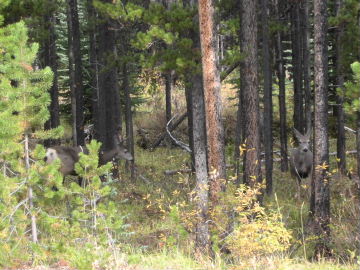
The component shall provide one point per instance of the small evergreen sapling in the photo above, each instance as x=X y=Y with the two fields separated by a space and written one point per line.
x=23 y=111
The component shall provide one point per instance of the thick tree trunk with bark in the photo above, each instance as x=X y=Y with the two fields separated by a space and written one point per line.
x=238 y=133
x=297 y=66
x=194 y=84
x=50 y=59
x=94 y=81
x=321 y=204
x=212 y=89
x=108 y=123
x=249 y=76
x=280 y=67
x=189 y=107
x=306 y=62
x=340 y=115
x=71 y=75
x=76 y=73
x=268 y=136
x=202 y=182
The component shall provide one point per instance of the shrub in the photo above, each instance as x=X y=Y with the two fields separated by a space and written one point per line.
x=257 y=232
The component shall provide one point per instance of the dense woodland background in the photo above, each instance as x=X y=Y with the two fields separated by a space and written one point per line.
x=206 y=95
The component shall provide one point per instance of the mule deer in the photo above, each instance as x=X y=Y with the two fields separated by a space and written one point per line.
x=70 y=155
x=301 y=158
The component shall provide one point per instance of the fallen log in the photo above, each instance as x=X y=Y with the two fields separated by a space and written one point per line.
x=171 y=128
x=177 y=142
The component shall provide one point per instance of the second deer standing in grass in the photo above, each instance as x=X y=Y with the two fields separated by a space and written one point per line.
x=301 y=158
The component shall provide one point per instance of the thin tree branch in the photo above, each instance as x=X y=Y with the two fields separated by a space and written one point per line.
x=177 y=142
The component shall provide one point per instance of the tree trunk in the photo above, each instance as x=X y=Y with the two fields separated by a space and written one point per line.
x=249 y=76
x=71 y=74
x=268 y=136
x=239 y=131
x=75 y=68
x=358 y=144
x=128 y=118
x=168 y=90
x=340 y=143
x=212 y=88
x=202 y=242
x=34 y=231
x=296 y=65
x=50 y=59
x=306 y=62
x=282 y=96
x=108 y=122
x=189 y=107
x=194 y=84
x=321 y=211
x=94 y=81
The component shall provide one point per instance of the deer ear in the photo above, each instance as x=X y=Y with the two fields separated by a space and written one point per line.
x=308 y=133
x=298 y=135
x=118 y=139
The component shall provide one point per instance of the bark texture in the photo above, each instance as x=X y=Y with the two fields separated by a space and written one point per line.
x=340 y=115
x=94 y=81
x=249 y=76
x=108 y=122
x=76 y=73
x=268 y=111
x=212 y=88
x=194 y=84
x=321 y=204
x=202 y=181
x=49 y=56
x=297 y=66
x=280 y=68
x=306 y=62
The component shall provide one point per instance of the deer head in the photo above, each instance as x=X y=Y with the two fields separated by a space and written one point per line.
x=303 y=140
x=118 y=152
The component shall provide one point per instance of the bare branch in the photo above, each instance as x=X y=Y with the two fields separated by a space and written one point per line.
x=177 y=142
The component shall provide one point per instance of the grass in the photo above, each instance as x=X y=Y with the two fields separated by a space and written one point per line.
x=158 y=238
x=162 y=256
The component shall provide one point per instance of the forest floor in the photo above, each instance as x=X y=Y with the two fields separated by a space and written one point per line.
x=155 y=237
x=155 y=242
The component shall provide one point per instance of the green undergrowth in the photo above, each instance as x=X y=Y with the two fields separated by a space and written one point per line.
x=157 y=224
x=157 y=239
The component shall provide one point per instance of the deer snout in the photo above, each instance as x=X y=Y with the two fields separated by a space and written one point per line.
x=305 y=150
x=129 y=157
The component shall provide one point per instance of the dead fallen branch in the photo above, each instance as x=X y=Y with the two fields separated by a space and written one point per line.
x=177 y=142
x=171 y=128
x=349 y=129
